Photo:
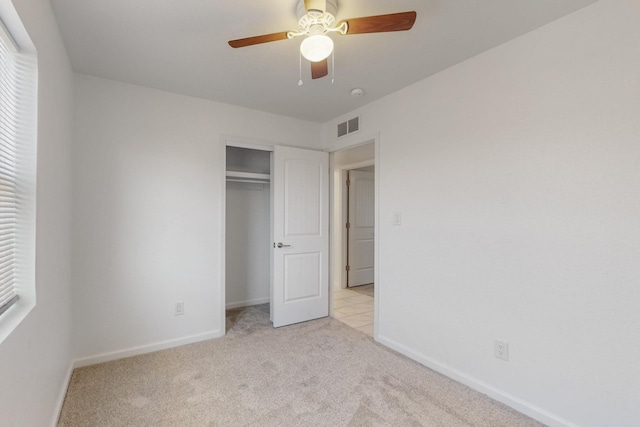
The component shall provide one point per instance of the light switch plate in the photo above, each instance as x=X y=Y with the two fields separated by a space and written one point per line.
x=397 y=218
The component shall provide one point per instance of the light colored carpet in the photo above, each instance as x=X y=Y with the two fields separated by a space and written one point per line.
x=318 y=373
x=364 y=289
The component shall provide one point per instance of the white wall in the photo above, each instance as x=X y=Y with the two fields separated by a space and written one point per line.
x=248 y=240
x=517 y=174
x=148 y=200
x=35 y=359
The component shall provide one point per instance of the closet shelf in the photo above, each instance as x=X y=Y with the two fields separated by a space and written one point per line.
x=248 y=177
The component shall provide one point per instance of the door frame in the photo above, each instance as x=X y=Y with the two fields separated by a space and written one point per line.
x=337 y=234
x=346 y=217
x=253 y=144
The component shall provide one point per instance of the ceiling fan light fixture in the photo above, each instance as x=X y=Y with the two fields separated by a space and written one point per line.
x=317 y=47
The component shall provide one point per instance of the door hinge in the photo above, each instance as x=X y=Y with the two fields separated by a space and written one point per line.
x=348 y=268
x=348 y=225
x=348 y=182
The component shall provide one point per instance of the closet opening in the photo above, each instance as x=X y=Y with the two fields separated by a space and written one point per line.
x=248 y=230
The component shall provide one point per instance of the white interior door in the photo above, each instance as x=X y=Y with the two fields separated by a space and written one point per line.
x=300 y=272
x=361 y=228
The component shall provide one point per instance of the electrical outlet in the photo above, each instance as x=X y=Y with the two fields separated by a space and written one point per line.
x=501 y=349
x=179 y=311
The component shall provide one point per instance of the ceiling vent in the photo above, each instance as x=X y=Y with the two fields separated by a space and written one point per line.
x=350 y=126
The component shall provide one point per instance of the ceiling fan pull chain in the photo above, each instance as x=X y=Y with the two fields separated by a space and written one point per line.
x=300 y=68
x=333 y=66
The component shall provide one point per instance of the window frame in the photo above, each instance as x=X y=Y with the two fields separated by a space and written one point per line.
x=23 y=57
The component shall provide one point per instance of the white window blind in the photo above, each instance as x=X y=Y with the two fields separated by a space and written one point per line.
x=9 y=137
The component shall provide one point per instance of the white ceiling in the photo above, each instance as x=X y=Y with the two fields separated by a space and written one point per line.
x=181 y=46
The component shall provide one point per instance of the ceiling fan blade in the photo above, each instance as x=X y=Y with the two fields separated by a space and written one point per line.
x=319 y=69
x=381 y=23
x=265 y=38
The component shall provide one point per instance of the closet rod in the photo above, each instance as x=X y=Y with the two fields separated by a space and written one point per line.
x=253 y=181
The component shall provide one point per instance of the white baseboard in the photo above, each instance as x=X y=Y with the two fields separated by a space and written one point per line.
x=149 y=348
x=61 y=395
x=247 y=303
x=520 y=405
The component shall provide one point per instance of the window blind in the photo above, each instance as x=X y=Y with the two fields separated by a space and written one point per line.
x=9 y=137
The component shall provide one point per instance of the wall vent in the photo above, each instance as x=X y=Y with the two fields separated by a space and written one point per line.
x=350 y=126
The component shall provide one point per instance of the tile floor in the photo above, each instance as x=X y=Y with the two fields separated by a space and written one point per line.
x=354 y=309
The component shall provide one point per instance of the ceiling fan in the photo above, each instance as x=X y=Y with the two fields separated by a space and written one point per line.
x=317 y=19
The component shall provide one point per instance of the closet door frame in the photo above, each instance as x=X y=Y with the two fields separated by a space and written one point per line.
x=252 y=144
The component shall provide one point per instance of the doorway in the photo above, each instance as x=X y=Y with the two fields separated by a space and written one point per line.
x=354 y=225
x=248 y=226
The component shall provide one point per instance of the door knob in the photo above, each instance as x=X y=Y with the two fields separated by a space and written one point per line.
x=281 y=245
